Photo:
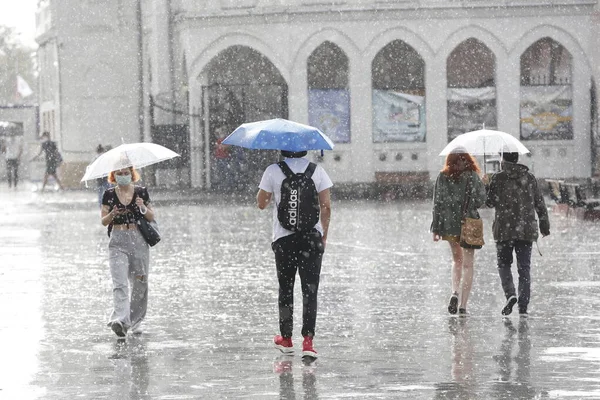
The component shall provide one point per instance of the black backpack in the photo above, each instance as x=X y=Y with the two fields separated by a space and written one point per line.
x=298 y=210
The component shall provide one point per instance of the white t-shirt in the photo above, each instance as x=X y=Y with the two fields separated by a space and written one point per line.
x=271 y=183
x=14 y=147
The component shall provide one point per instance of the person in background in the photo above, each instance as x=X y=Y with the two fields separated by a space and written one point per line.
x=101 y=183
x=222 y=155
x=13 y=150
x=516 y=196
x=53 y=159
x=460 y=173
x=297 y=251
x=128 y=252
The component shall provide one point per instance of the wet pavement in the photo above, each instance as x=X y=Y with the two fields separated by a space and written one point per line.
x=382 y=331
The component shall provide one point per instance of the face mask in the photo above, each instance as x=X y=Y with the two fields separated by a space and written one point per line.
x=123 y=180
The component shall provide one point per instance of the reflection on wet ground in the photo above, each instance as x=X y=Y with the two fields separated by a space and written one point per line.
x=382 y=330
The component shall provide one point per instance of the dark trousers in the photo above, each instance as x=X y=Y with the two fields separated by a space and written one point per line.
x=302 y=252
x=504 y=253
x=12 y=171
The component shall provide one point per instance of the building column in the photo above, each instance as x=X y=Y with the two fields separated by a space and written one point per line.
x=361 y=121
x=436 y=114
x=582 y=148
x=298 y=97
x=160 y=49
x=196 y=132
x=508 y=96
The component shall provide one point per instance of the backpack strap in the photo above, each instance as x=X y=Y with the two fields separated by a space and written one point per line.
x=310 y=170
x=286 y=169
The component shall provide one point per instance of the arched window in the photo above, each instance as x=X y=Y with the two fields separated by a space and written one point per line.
x=546 y=92
x=398 y=80
x=471 y=93
x=328 y=93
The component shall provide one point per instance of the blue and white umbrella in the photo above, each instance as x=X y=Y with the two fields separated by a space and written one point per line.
x=279 y=134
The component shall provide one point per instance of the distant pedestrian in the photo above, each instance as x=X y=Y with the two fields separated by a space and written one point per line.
x=128 y=252
x=301 y=215
x=13 y=150
x=240 y=168
x=515 y=195
x=222 y=156
x=53 y=159
x=457 y=185
x=101 y=183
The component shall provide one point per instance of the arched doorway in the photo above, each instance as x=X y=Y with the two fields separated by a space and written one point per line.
x=242 y=86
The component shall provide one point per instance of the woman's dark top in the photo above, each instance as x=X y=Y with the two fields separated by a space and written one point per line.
x=51 y=152
x=111 y=200
x=53 y=156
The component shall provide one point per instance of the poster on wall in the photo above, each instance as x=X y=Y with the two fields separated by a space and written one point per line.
x=470 y=109
x=329 y=110
x=546 y=112
x=398 y=117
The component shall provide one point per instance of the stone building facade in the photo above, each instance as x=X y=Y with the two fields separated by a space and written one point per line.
x=391 y=81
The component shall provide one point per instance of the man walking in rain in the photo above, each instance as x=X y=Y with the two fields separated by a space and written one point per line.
x=515 y=195
x=13 y=150
x=301 y=216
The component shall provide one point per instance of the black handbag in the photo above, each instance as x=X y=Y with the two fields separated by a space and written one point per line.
x=149 y=231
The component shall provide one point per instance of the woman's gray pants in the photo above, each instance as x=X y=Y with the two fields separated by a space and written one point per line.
x=128 y=257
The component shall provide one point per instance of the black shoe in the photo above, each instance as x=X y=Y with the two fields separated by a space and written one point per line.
x=462 y=312
x=523 y=313
x=510 y=303
x=118 y=329
x=453 y=306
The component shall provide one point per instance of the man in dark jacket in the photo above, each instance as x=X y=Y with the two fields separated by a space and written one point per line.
x=515 y=195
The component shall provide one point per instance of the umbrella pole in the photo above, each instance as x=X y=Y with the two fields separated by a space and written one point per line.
x=484 y=164
x=484 y=156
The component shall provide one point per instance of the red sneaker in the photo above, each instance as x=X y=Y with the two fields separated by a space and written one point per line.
x=284 y=344
x=307 y=347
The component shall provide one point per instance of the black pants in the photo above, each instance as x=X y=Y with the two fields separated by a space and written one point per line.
x=504 y=253
x=302 y=252
x=12 y=171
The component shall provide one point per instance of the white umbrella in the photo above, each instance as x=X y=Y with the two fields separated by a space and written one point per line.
x=485 y=142
x=137 y=155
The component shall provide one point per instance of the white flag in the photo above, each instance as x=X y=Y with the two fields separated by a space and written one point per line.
x=22 y=87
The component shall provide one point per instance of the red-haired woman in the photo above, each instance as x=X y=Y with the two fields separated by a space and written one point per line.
x=460 y=172
x=128 y=252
